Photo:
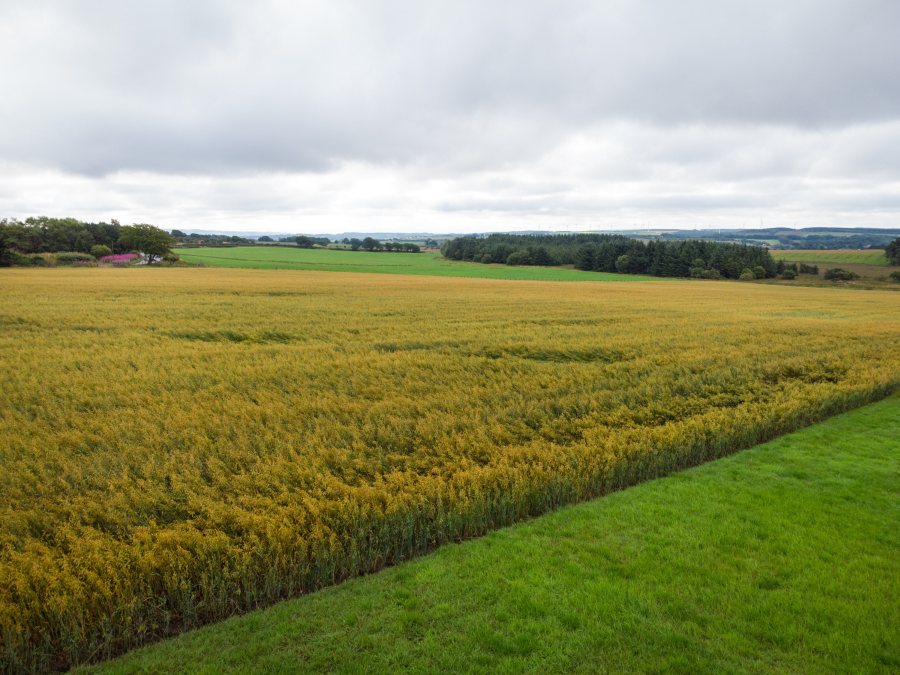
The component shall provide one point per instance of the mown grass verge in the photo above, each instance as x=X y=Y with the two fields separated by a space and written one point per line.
x=782 y=558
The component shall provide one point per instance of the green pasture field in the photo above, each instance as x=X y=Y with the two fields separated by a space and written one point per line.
x=783 y=558
x=833 y=257
x=869 y=264
x=430 y=264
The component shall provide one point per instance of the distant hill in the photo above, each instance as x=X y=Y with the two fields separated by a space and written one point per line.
x=786 y=238
x=772 y=237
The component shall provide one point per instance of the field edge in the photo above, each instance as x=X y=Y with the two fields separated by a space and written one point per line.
x=142 y=659
x=834 y=409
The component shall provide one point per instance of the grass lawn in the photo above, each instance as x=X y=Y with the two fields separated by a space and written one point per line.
x=330 y=260
x=783 y=558
x=833 y=257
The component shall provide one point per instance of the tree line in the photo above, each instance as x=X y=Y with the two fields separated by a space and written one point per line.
x=618 y=253
x=24 y=242
x=372 y=244
x=892 y=252
x=808 y=238
x=301 y=241
x=20 y=241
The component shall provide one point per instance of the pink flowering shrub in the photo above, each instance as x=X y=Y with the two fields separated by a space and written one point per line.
x=119 y=258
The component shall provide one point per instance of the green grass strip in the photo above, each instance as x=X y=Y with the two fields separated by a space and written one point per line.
x=426 y=264
x=834 y=258
x=783 y=558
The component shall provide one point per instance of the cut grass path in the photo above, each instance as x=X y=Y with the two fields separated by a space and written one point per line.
x=430 y=264
x=782 y=558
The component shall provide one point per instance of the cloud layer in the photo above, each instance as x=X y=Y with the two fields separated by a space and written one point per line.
x=324 y=116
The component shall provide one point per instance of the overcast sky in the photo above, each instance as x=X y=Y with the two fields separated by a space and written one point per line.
x=451 y=116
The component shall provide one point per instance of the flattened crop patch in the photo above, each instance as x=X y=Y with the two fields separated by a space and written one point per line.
x=234 y=336
x=555 y=355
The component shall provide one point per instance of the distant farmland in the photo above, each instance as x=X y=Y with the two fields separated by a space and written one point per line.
x=184 y=444
x=833 y=257
x=429 y=264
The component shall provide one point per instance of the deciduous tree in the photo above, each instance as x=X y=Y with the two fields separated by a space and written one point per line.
x=147 y=239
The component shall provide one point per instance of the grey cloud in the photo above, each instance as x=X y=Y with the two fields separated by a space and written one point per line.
x=213 y=86
x=610 y=201
x=577 y=110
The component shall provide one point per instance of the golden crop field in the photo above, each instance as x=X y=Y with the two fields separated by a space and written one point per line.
x=182 y=444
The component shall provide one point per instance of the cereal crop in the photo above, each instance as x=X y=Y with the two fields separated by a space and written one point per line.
x=179 y=445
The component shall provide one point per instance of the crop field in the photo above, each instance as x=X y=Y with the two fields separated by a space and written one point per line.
x=833 y=257
x=429 y=264
x=180 y=445
x=780 y=559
